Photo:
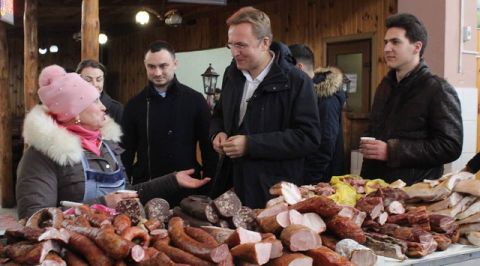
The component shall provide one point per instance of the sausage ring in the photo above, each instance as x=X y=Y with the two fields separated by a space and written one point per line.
x=46 y=217
x=135 y=232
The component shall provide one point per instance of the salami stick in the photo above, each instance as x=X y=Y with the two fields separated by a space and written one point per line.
x=88 y=250
x=180 y=256
x=121 y=222
x=185 y=242
x=201 y=236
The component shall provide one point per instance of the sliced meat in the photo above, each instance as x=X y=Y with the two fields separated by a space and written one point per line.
x=458 y=208
x=467 y=228
x=273 y=210
x=275 y=201
x=227 y=204
x=470 y=219
x=346 y=228
x=300 y=238
x=324 y=256
x=468 y=186
x=290 y=192
x=356 y=253
x=190 y=220
x=443 y=241
x=321 y=205
x=442 y=223
x=245 y=218
x=471 y=210
x=385 y=248
x=219 y=233
x=256 y=253
x=314 y=222
x=329 y=241
x=292 y=259
x=158 y=208
x=446 y=203
x=424 y=192
x=396 y=207
x=274 y=224
x=382 y=218
x=200 y=207
x=133 y=208
x=474 y=238
x=243 y=236
x=373 y=206
x=25 y=252
x=352 y=213
x=277 y=247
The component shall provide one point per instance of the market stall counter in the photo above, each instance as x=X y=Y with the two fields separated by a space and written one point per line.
x=348 y=221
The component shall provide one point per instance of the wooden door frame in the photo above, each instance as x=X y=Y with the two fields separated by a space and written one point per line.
x=357 y=37
x=372 y=37
x=364 y=47
x=478 y=93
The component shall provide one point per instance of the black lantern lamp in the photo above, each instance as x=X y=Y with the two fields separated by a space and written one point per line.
x=210 y=84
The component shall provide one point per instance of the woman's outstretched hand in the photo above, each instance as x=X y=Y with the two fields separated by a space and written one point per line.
x=186 y=181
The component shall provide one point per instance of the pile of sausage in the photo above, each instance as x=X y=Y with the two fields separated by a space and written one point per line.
x=292 y=230
x=92 y=237
x=225 y=211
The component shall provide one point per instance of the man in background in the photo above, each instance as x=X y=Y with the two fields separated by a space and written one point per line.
x=163 y=123
x=416 y=117
x=328 y=160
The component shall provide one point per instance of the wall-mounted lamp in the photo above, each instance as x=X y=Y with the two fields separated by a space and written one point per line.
x=210 y=84
x=171 y=17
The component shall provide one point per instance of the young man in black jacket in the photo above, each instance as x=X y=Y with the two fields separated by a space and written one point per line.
x=163 y=123
x=266 y=120
x=416 y=118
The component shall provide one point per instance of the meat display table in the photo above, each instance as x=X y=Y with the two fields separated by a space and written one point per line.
x=456 y=254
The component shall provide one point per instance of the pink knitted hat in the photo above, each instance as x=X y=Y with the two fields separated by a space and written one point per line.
x=65 y=94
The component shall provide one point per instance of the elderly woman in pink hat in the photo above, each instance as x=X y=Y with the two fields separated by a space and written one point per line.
x=73 y=153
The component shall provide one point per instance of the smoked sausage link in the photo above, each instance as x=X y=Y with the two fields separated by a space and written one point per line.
x=188 y=244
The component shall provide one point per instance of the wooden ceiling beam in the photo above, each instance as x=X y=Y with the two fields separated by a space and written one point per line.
x=6 y=177
x=90 y=30
x=30 y=53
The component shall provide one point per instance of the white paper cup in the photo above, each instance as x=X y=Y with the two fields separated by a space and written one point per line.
x=125 y=191
x=367 y=138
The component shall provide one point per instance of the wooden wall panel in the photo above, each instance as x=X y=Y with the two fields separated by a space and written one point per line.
x=15 y=73
x=303 y=21
x=68 y=57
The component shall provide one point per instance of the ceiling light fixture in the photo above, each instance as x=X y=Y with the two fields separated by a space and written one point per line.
x=53 y=49
x=142 y=17
x=102 y=38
